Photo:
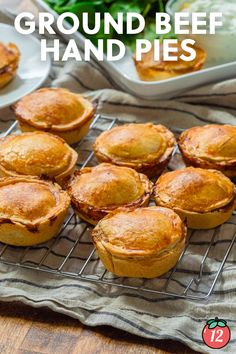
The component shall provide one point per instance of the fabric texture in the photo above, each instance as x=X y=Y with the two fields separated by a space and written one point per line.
x=143 y=314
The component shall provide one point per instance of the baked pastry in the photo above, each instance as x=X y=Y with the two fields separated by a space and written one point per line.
x=31 y=210
x=96 y=191
x=210 y=146
x=145 y=242
x=150 y=70
x=147 y=148
x=205 y=198
x=37 y=154
x=56 y=111
x=9 y=61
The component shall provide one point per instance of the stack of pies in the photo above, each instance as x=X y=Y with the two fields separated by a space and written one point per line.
x=9 y=60
x=132 y=239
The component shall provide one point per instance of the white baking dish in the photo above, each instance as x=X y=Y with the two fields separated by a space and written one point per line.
x=125 y=76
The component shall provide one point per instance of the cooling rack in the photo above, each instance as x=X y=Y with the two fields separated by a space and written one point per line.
x=71 y=254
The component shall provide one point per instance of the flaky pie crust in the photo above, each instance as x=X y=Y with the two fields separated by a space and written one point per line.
x=97 y=191
x=147 y=148
x=210 y=146
x=145 y=242
x=205 y=198
x=31 y=210
x=57 y=111
x=37 y=154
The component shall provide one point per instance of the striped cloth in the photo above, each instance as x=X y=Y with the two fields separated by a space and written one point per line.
x=147 y=315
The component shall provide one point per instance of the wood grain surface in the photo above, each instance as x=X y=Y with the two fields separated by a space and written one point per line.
x=25 y=330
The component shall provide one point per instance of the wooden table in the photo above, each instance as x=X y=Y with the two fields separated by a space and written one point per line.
x=25 y=330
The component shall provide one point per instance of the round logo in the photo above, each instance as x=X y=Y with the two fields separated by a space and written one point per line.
x=216 y=334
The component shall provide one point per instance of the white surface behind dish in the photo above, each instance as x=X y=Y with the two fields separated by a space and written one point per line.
x=31 y=72
x=125 y=76
x=220 y=47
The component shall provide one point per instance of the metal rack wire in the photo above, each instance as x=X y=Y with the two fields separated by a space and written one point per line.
x=71 y=254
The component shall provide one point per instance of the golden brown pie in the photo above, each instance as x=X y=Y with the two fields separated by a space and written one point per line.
x=147 y=148
x=31 y=210
x=57 y=111
x=205 y=198
x=97 y=191
x=9 y=61
x=210 y=146
x=150 y=70
x=37 y=154
x=145 y=242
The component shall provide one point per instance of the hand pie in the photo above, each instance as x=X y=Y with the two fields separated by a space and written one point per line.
x=210 y=146
x=31 y=210
x=206 y=198
x=37 y=154
x=145 y=242
x=9 y=61
x=147 y=148
x=96 y=191
x=57 y=111
x=150 y=70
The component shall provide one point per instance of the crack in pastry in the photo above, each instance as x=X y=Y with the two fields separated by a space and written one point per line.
x=9 y=61
x=31 y=210
x=57 y=111
x=205 y=198
x=144 y=242
x=211 y=147
x=97 y=191
x=37 y=154
x=147 y=148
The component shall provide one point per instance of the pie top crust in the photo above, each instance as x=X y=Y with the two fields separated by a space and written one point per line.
x=54 y=109
x=135 y=145
x=140 y=232
x=36 y=154
x=108 y=186
x=30 y=201
x=194 y=189
x=214 y=143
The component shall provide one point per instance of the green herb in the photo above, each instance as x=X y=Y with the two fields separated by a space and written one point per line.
x=147 y=8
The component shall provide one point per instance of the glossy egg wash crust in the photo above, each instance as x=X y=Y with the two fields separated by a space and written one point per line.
x=145 y=242
x=147 y=148
x=57 y=111
x=211 y=147
x=37 y=154
x=31 y=210
x=97 y=191
x=205 y=198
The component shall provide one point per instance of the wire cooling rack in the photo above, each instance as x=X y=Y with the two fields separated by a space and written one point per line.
x=71 y=254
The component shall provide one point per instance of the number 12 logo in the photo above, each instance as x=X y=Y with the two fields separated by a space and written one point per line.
x=216 y=334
